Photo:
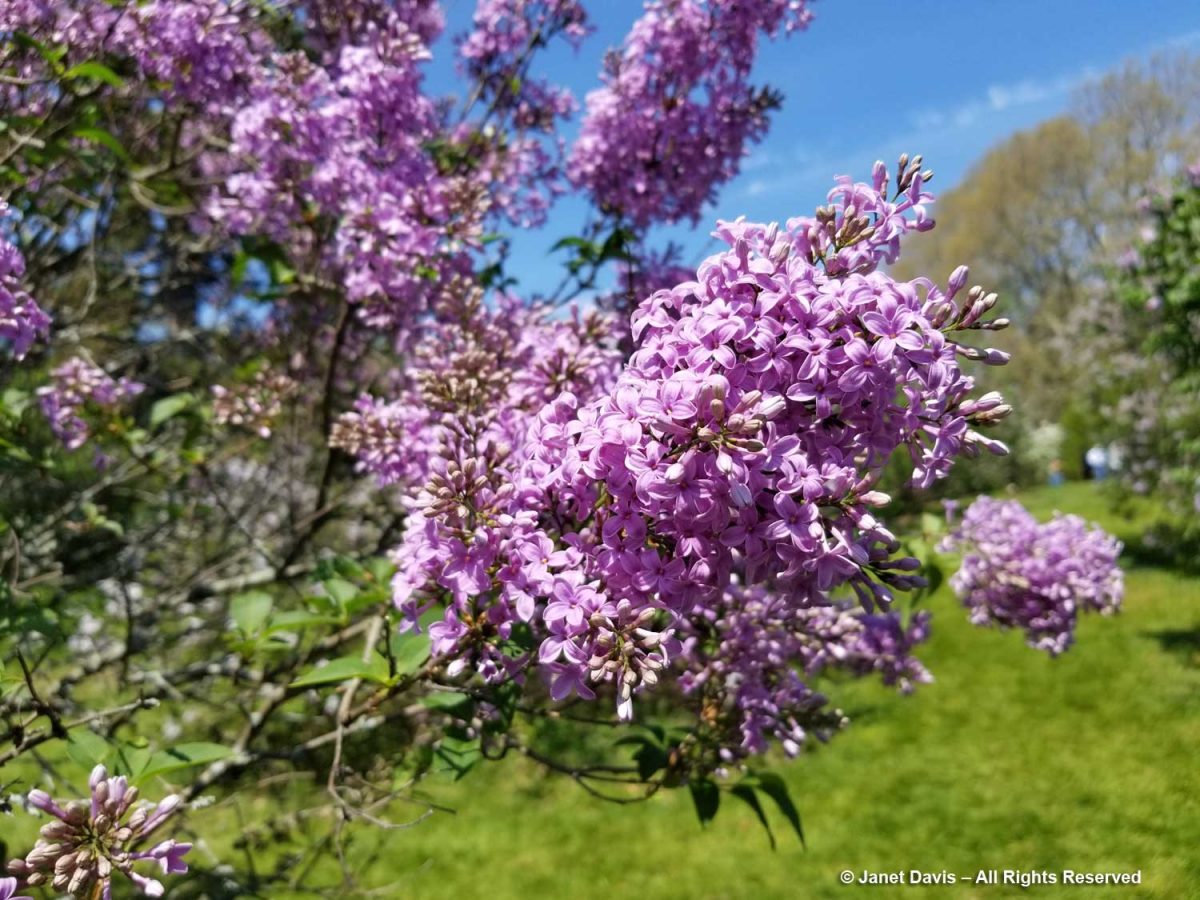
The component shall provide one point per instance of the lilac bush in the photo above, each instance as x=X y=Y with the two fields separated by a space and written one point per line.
x=378 y=508
x=1019 y=573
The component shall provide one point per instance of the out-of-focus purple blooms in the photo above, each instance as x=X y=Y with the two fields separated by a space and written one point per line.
x=8 y=890
x=677 y=109
x=22 y=321
x=94 y=839
x=1019 y=573
x=75 y=386
x=255 y=405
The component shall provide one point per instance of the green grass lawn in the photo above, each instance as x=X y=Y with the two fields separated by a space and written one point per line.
x=1010 y=760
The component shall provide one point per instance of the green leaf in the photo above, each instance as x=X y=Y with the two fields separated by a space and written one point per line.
x=15 y=401
x=131 y=760
x=250 y=610
x=297 y=618
x=183 y=756
x=707 y=799
x=340 y=590
x=934 y=575
x=650 y=758
x=775 y=788
x=169 y=407
x=94 y=70
x=445 y=700
x=745 y=793
x=87 y=748
x=102 y=137
x=409 y=651
x=344 y=669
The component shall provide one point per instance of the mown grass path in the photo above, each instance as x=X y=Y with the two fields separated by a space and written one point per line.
x=1010 y=760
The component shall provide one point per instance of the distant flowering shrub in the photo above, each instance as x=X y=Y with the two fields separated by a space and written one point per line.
x=1039 y=577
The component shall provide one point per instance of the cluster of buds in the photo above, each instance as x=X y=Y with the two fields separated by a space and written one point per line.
x=908 y=171
x=842 y=230
x=986 y=410
x=90 y=841
x=255 y=405
x=625 y=650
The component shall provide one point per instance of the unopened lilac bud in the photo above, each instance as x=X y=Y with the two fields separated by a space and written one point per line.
x=997 y=448
x=958 y=280
x=675 y=473
x=875 y=498
x=772 y=406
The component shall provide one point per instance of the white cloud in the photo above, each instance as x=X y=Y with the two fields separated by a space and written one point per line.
x=1001 y=98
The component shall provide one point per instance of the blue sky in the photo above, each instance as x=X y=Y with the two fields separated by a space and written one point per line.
x=871 y=79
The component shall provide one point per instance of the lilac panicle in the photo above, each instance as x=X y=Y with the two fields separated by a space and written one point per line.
x=729 y=466
x=1019 y=573
x=22 y=321
x=91 y=840
x=75 y=386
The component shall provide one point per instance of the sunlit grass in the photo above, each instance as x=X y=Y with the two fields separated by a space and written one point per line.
x=1010 y=760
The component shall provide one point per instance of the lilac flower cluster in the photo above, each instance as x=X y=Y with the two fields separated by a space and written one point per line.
x=1019 y=573
x=255 y=405
x=676 y=109
x=92 y=840
x=199 y=50
x=497 y=51
x=334 y=151
x=22 y=321
x=75 y=386
x=346 y=142
x=740 y=445
x=759 y=650
x=502 y=365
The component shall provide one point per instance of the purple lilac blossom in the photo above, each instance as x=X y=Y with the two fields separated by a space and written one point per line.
x=22 y=321
x=676 y=109
x=1019 y=573
x=76 y=385
x=740 y=444
x=90 y=841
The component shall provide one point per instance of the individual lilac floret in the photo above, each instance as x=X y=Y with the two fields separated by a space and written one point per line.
x=8 y=890
x=90 y=841
x=74 y=385
x=1019 y=573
